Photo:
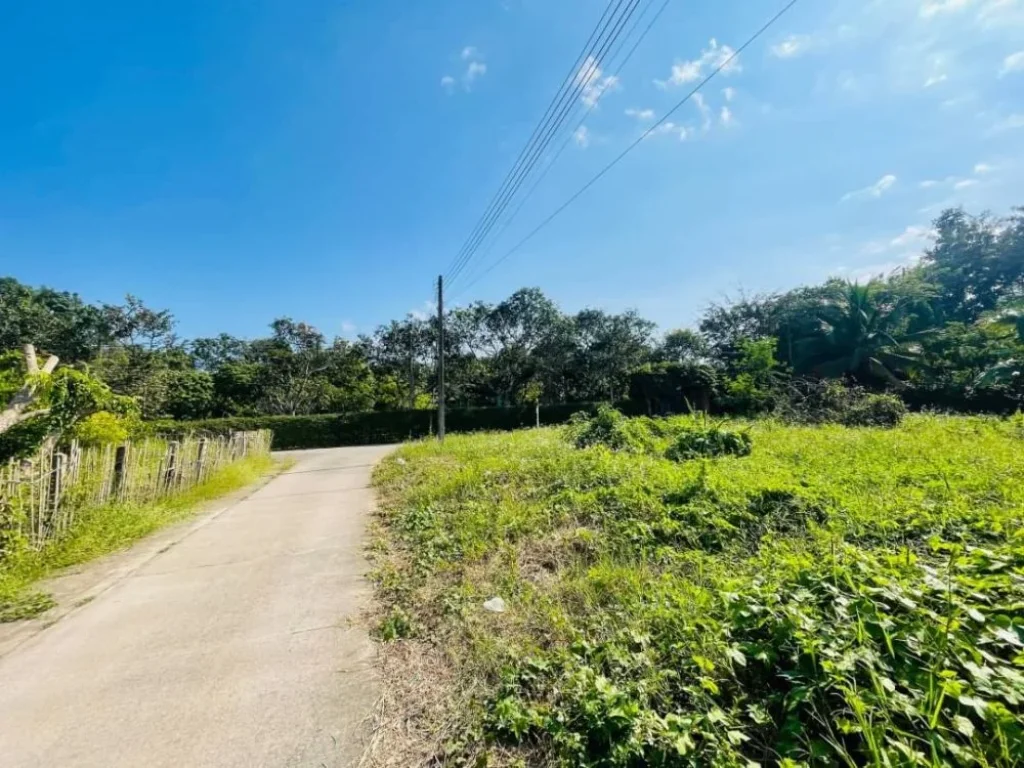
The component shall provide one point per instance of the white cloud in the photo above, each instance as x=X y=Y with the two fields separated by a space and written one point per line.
x=670 y=128
x=1013 y=63
x=474 y=71
x=932 y=8
x=912 y=236
x=645 y=115
x=595 y=84
x=935 y=80
x=729 y=93
x=965 y=183
x=875 y=191
x=582 y=137
x=1010 y=123
x=791 y=47
x=727 y=117
x=711 y=58
x=928 y=184
x=983 y=168
x=704 y=109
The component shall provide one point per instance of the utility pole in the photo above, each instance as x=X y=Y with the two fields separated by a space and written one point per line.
x=440 y=357
x=412 y=375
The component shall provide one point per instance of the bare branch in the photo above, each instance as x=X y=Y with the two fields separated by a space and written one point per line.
x=51 y=363
x=31 y=363
x=31 y=415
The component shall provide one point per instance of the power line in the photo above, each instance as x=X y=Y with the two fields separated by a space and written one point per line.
x=567 y=108
x=544 y=174
x=554 y=117
x=581 y=81
x=725 y=63
x=541 y=124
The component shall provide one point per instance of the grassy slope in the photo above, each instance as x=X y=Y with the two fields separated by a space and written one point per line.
x=820 y=601
x=106 y=529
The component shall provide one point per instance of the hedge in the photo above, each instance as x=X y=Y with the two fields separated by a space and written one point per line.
x=375 y=427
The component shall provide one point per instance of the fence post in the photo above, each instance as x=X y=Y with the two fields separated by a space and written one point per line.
x=171 y=472
x=200 y=459
x=56 y=482
x=120 y=482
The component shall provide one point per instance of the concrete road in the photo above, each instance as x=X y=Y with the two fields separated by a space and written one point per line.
x=234 y=647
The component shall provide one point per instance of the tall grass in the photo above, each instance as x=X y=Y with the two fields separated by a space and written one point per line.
x=839 y=597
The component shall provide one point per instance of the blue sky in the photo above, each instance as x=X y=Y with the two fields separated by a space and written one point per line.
x=239 y=161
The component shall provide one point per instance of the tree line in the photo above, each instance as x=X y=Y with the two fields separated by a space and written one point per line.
x=951 y=323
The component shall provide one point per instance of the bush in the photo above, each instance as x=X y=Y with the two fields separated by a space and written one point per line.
x=708 y=442
x=876 y=411
x=100 y=429
x=370 y=428
x=811 y=401
x=610 y=428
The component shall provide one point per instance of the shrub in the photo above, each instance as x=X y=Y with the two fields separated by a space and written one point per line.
x=876 y=411
x=100 y=429
x=707 y=442
x=610 y=428
x=369 y=428
x=811 y=401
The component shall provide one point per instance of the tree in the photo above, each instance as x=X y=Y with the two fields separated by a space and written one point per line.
x=54 y=320
x=683 y=346
x=190 y=395
x=857 y=337
x=975 y=261
x=49 y=402
x=1008 y=322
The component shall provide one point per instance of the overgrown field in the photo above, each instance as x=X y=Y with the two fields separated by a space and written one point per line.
x=107 y=528
x=839 y=596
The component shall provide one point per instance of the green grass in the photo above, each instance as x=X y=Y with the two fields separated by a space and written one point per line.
x=841 y=596
x=106 y=529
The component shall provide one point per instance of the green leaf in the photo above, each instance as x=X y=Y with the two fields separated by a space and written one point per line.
x=965 y=726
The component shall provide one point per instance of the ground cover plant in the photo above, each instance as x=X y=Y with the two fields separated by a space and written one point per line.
x=836 y=596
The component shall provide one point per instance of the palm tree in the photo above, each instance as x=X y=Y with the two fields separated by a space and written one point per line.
x=860 y=333
x=1010 y=370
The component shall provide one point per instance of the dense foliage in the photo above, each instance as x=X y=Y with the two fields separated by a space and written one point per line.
x=837 y=597
x=946 y=332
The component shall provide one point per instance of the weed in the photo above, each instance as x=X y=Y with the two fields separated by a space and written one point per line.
x=708 y=442
x=839 y=597
x=24 y=606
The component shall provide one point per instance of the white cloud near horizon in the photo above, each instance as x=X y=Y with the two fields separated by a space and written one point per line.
x=875 y=191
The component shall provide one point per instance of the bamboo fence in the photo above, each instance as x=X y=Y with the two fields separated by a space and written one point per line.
x=41 y=497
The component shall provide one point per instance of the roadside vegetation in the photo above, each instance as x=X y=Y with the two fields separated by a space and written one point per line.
x=101 y=530
x=944 y=333
x=697 y=592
